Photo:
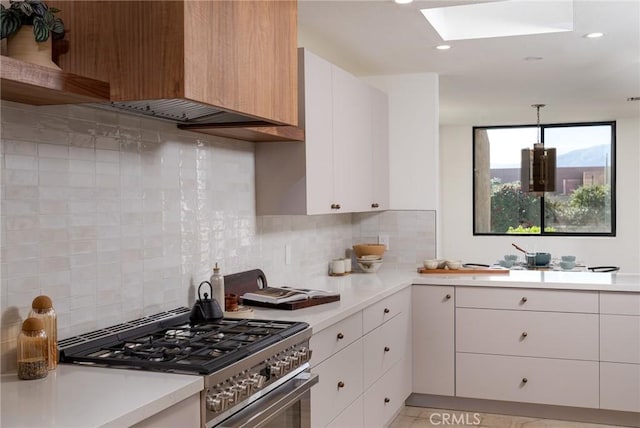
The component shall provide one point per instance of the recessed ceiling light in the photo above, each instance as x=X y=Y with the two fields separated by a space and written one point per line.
x=594 y=35
x=403 y=1
x=443 y=47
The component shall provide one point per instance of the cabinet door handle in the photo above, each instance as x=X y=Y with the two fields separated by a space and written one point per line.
x=340 y=384
x=525 y=380
x=448 y=296
x=524 y=334
x=334 y=206
x=523 y=300
x=374 y=205
x=387 y=349
x=387 y=400
x=340 y=336
x=386 y=310
x=338 y=206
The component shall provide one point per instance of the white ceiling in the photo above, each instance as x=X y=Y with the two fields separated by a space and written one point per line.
x=488 y=81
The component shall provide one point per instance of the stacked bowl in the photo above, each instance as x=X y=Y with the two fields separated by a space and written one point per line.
x=369 y=256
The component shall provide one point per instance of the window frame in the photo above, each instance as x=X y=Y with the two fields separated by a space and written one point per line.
x=612 y=233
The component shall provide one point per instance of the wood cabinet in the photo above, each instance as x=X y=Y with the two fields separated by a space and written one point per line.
x=236 y=56
x=364 y=382
x=433 y=322
x=343 y=165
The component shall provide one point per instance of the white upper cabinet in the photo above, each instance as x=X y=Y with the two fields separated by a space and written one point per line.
x=343 y=165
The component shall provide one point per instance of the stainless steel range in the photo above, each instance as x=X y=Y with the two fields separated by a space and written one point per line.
x=256 y=372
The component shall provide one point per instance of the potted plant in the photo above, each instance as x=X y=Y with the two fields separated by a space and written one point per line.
x=29 y=26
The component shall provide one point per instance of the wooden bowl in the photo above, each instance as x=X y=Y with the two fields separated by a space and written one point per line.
x=369 y=250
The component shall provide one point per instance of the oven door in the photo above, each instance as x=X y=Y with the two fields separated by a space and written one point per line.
x=288 y=406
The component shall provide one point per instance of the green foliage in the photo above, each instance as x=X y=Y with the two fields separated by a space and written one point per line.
x=31 y=12
x=510 y=206
x=533 y=230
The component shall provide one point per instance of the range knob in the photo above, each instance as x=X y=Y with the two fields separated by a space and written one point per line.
x=213 y=403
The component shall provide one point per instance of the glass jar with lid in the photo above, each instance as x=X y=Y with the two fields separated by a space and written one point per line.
x=42 y=308
x=32 y=350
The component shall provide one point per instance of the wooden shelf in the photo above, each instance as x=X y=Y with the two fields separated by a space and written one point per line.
x=257 y=134
x=33 y=84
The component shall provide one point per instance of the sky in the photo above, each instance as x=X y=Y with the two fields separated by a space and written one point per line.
x=507 y=143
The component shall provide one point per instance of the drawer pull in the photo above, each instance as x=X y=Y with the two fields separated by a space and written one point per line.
x=340 y=336
x=387 y=349
x=338 y=206
x=386 y=310
x=523 y=300
x=448 y=296
x=524 y=334
x=525 y=380
x=387 y=400
x=340 y=384
x=375 y=205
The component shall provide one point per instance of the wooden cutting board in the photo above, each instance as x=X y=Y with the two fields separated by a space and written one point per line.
x=474 y=271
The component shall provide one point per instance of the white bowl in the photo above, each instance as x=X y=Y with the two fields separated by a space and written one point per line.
x=369 y=258
x=454 y=264
x=430 y=264
x=370 y=266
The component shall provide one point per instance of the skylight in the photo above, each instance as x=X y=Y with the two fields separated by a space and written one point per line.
x=501 y=19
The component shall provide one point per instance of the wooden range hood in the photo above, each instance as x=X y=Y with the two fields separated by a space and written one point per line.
x=224 y=68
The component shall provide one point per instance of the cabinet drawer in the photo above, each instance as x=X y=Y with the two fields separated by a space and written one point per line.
x=352 y=417
x=527 y=333
x=620 y=338
x=383 y=347
x=548 y=381
x=335 y=337
x=339 y=384
x=527 y=299
x=620 y=303
x=381 y=312
x=620 y=387
x=383 y=400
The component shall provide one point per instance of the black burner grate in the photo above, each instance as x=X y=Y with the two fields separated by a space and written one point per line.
x=173 y=345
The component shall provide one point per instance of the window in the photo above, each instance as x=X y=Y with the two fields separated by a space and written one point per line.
x=583 y=203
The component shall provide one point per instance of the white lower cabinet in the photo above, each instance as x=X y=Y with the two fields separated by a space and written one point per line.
x=339 y=384
x=620 y=351
x=620 y=386
x=383 y=400
x=351 y=417
x=433 y=321
x=372 y=375
x=531 y=380
x=527 y=333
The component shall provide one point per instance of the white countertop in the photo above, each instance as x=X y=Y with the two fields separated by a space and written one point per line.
x=83 y=397
x=77 y=396
x=360 y=290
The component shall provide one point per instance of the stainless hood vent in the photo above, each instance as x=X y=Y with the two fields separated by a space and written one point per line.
x=182 y=112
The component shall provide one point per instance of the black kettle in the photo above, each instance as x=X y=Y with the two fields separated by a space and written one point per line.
x=205 y=310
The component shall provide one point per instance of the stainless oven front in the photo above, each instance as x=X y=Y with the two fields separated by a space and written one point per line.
x=287 y=406
x=268 y=388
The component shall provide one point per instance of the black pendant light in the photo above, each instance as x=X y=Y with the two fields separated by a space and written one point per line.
x=538 y=166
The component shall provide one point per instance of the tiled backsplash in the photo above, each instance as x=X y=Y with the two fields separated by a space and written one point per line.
x=116 y=217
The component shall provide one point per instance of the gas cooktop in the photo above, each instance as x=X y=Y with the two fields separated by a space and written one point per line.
x=167 y=342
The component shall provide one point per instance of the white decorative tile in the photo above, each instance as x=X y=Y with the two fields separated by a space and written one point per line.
x=139 y=211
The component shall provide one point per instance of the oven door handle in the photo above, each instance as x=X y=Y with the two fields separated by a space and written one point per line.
x=263 y=410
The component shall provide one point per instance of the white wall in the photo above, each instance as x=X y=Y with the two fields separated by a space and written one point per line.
x=456 y=222
x=413 y=139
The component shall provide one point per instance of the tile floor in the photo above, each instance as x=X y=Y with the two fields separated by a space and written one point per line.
x=415 y=417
